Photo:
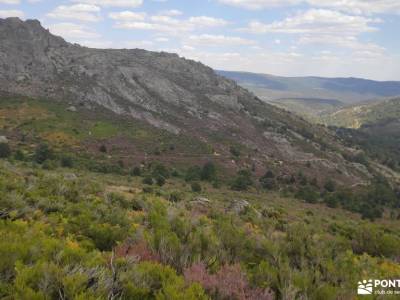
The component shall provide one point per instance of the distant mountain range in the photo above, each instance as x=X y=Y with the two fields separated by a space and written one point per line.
x=345 y=90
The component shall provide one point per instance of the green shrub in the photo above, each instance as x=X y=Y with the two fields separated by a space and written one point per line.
x=193 y=173
x=235 y=151
x=209 y=172
x=159 y=170
x=242 y=181
x=66 y=161
x=330 y=186
x=268 y=181
x=148 y=180
x=43 y=153
x=19 y=155
x=308 y=194
x=136 y=171
x=5 y=150
x=160 y=180
x=175 y=196
x=196 y=187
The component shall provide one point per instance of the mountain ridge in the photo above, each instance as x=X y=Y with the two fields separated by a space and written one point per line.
x=348 y=90
x=183 y=97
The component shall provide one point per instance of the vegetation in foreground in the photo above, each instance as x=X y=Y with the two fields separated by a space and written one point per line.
x=73 y=234
x=74 y=226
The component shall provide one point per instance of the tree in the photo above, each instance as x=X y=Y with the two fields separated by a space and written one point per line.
x=5 y=150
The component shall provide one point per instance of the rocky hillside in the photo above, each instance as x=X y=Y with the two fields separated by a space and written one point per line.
x=365 y=114
x=181 y=97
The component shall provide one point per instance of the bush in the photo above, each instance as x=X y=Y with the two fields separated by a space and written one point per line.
x=103 y=149
x=331 y=200
x=19 y=155
x=193 y=173
x=5 y=150
x=67 y=162
x=160 y=180
x=175 y=196
x=268 y=181
x=159 y=170
x=196 y=187
x=235 y=151
x=330 y=186
x=148 y=180
x=242 y=181
x=308 y=194
x=209 y=172
x=43 y=153
x=136 y=171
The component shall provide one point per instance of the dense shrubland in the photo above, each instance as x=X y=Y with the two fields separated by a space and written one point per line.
x=70 y=234
x=77 y=227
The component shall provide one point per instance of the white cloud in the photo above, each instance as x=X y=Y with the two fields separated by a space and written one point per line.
x=11 y=13
x=128 y=16
x=73 y=31
x=204 y=21
x=260 y=4
x=218 y=40
x=171 y=25
x=81 y=12
x=162 y=40
x=317 y=21
x=113 y=3
x=349 y=42
x=171 y=13
x=360 y=6
x=9 y=1
x=348 y=6
x=323 y=27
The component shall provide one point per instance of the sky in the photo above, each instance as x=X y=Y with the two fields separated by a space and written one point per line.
x=332 y=38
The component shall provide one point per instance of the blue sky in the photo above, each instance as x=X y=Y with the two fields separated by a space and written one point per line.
x=332 y=38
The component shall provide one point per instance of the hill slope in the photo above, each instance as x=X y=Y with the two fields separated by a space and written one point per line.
x=373 y=126
x=365 y=114
x=178 y=97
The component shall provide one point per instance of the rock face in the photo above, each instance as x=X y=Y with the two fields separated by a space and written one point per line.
x=171 y=93
x=136 y=82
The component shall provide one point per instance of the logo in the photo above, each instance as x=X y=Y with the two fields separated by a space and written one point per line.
x=365 y=287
